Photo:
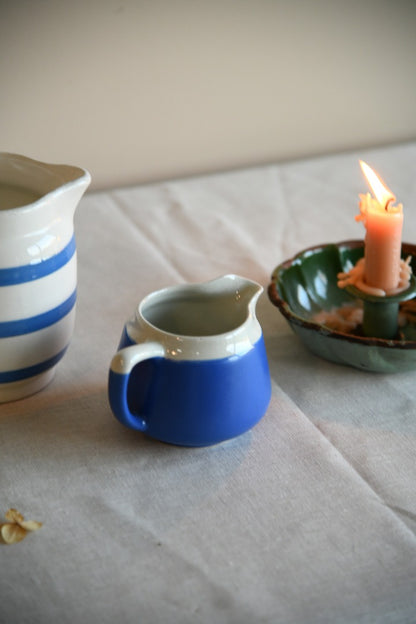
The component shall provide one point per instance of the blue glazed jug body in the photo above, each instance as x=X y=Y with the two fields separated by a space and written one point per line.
x=197 y=385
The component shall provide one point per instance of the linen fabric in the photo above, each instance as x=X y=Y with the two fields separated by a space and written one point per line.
x=309 y=518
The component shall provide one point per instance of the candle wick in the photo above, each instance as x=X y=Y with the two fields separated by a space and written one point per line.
x=388 y=202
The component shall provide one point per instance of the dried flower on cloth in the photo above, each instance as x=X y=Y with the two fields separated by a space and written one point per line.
x=16 y=528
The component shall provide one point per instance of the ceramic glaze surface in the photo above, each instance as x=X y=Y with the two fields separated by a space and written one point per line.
x=12 y=196
x=38 y=272
x=207 y=383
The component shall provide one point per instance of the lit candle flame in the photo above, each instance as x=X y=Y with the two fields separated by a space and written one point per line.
x=383 y=195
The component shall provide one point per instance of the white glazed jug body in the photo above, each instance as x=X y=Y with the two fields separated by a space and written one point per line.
x=38 y=270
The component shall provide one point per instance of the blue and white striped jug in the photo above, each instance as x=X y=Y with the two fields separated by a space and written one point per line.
x=38 y=271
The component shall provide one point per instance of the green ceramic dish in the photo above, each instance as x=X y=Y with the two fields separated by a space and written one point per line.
x=307 y=284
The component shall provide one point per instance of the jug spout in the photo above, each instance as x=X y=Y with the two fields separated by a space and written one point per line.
x=228 y=304
x=242 y=295
x=25 y=181
x=246 y=291
x=70 y=192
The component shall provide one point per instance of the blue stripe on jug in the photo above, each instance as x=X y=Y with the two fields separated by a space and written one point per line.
x=31 y=371
x=40 y=321
x=30 y=272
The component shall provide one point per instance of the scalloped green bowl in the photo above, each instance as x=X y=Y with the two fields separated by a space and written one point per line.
x=307 y=284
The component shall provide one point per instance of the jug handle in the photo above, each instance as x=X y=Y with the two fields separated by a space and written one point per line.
x=121 y=366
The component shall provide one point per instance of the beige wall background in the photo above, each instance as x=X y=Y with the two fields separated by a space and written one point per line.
x=138 y=91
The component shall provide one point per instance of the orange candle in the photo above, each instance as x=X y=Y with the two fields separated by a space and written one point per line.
x=383 y=240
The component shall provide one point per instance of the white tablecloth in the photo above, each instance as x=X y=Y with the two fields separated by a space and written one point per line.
x=308 y=518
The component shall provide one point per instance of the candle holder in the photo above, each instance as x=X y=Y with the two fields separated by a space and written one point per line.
x=304 y=289
x=381 y=314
